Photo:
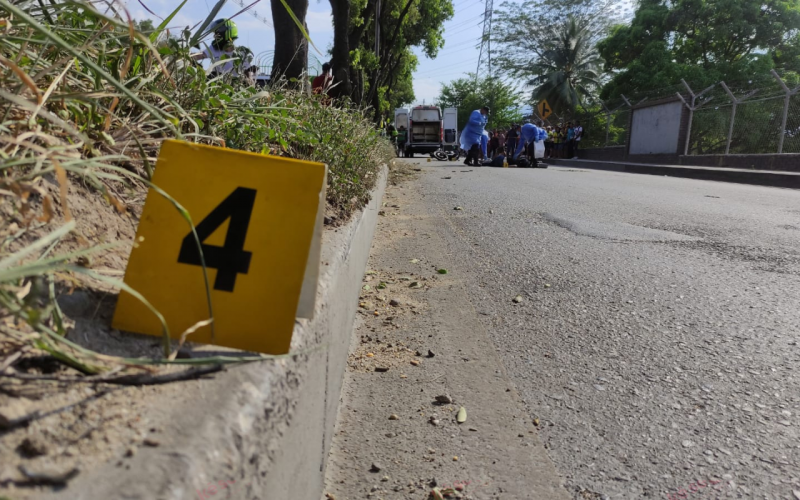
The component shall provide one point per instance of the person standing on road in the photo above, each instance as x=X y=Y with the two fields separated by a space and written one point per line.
x=561 y=141
x=490 y=146
x=511 y=139
x=472 y=135
x=548 y=142
x=578 y=137
x=570 y=140
x=402 y=137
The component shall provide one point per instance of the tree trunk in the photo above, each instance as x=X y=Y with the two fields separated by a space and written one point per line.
x=291 y=47
x=340 y=61
x=376 y=97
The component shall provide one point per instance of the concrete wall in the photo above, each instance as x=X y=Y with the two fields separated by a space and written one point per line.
x=611 y=153
x=781 y=162
x=789 y=162
x=264 y=427
x=655 y=129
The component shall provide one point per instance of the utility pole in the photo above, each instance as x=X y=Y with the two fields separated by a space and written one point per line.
x=486 y=39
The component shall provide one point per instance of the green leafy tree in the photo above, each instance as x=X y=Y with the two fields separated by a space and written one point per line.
x=568 y=71
x=701 y=41
x=550 y=45
x=146 y=26
x=383 y=80
x=525 y=32
x=467 y=95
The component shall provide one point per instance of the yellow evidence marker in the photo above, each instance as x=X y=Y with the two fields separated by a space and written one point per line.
x=259 y=221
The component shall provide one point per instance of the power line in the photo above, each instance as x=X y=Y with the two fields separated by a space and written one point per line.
x=486 y=39
x=464 y=23
x=441 y=69
x=254 y=13
x=468 y=28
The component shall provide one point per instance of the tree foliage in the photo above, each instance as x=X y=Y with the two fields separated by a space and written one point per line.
x=702 y=41
x=467 y=95
x=551 y=45
x=568 y=71
x=383 y=80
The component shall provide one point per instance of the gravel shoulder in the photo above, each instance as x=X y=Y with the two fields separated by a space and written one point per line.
x=419 y=336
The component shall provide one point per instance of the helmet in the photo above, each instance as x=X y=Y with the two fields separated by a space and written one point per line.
x=225 y=30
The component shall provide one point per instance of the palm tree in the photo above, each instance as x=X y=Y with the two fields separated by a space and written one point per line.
x=568 y=68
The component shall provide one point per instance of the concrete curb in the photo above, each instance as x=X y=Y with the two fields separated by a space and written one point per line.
x=773 y=178
x=260 y=430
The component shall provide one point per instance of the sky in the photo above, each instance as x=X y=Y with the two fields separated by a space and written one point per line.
x=458 y=57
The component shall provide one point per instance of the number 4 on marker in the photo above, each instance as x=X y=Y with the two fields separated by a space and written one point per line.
x=230 y=259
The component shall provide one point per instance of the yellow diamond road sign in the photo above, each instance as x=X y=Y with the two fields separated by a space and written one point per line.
x=544 y=109
x=258 y=219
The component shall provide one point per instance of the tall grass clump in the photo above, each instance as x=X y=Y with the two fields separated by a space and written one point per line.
x=85 y=102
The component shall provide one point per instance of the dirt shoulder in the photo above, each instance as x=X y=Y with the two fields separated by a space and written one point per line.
x=418 y=337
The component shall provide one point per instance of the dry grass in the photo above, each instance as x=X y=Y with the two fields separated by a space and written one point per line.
x=85 y=102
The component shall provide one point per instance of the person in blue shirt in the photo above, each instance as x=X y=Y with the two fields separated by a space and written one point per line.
x=472 y=136
x=570 y=140
x=528 y=135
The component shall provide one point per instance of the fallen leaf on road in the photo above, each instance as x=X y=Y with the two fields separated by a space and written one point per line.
x=366 y=287
x=517 y=299
x=462 y=415
x=415 y=284
x=458 y=208
x=447 y=177
x=414 y=261
x=415 y=362
x=441 y=271
x=369 y=355
x=393 y=417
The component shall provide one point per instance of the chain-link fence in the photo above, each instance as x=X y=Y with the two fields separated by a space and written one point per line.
x=604 y=124
x=758 y=116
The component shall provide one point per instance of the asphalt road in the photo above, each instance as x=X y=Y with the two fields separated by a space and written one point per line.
x=657 y=337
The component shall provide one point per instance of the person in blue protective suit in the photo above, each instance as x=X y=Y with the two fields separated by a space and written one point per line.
x=528 y=135
x=472 y=135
